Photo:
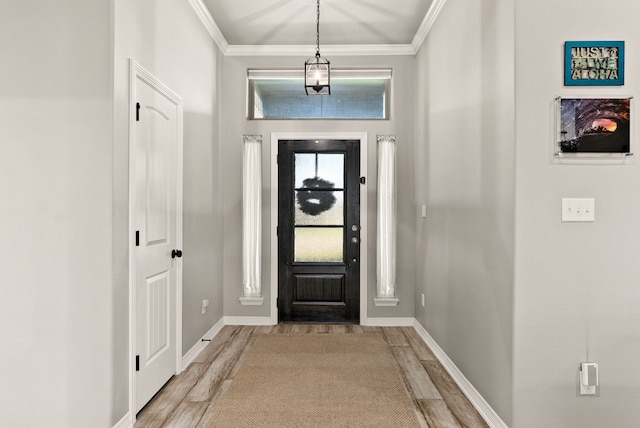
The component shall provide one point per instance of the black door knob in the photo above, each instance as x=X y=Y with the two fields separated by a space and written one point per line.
x=176 y=253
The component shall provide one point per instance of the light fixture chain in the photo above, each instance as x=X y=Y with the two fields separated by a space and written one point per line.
x=318 y=28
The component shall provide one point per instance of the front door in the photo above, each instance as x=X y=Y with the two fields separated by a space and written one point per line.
x=156 y=137
x=319 y=231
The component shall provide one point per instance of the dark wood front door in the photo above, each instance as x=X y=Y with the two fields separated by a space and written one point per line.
x=319 y=231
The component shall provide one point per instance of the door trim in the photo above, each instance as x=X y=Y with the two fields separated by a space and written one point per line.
x=137 y=71
x=364 y=241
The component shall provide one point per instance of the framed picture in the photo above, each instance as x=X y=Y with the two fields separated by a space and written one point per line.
x=593 y=126
x=599 y=63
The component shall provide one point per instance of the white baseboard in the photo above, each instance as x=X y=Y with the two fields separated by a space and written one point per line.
x=125 y=422
x=201 y=344
x=485 y=410
x=249 y=321
x=389 y=322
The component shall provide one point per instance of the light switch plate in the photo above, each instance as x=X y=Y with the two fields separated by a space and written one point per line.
x=578 y=209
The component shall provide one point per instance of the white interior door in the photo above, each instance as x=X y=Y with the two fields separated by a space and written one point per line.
x=156 y=173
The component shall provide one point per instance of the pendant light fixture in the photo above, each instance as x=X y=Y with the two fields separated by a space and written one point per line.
x=317 y=70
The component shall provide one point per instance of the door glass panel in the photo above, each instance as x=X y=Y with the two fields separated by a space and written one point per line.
x=317 y=204
x=310 y=208
x=318 y=244
x=319 y=170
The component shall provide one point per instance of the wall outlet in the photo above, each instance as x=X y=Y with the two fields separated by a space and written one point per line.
x=205 y=305
x=588 y=390
x=422 y=299
x=589 y=378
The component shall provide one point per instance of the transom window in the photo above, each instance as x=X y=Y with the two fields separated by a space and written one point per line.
x=355 y=94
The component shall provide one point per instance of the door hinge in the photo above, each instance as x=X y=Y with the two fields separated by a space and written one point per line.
x=137 y=363
x=277 y=230
x=137 y=112
x=137 y=238
x=363 y=180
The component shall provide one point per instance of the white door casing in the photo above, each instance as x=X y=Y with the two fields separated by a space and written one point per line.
x=156 y=229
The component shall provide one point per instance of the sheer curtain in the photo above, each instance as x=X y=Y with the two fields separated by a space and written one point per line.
x=251 y=219
x=386 y=236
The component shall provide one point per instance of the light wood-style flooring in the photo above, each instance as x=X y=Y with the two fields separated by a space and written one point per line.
x=190 y=398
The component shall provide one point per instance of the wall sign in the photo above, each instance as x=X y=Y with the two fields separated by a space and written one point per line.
x=599 y=63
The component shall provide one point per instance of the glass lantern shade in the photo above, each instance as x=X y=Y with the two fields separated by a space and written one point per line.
x=317 y=76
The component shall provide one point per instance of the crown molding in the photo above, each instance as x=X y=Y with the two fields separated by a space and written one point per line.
x=207 y=20
x=308 y=50
x=427 y=24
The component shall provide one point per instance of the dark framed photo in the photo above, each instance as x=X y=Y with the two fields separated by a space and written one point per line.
x=597 y=126
x=597 y=63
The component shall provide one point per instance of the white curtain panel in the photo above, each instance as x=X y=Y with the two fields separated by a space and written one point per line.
x=386 y=239
x=252 y=214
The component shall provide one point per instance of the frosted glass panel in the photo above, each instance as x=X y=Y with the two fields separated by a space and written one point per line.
x=318 y=244
x=319 y=170
x=310 y=202
x=350 y=99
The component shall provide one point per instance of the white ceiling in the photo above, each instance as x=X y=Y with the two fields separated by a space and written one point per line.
x=342 y=22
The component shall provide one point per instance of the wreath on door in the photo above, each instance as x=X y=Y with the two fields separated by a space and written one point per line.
x=313 y=201
x=315 y=197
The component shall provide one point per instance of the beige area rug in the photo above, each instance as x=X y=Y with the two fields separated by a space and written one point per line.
x=317 y=380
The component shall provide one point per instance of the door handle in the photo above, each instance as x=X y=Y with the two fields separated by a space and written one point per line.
x=176 y=253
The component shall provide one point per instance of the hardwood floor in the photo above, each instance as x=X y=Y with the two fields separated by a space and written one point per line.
x=189 y=399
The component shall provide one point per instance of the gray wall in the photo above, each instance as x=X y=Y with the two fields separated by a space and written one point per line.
x=55 y=213
x=577 y=294
x=233 y=116
x=515 y=297
x=167 y=38
x=64 y=98
x=465 y=163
